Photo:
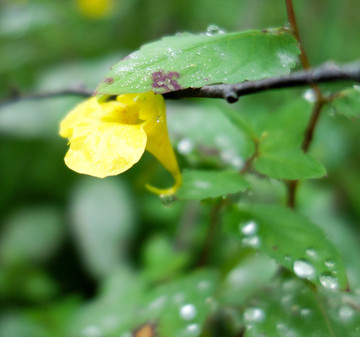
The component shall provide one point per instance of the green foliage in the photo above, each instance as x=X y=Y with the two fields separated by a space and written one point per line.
x=188 y=60
x=291 y=240
x=200 y=185
x=348 y=102
x=86 y=257
x=288 y=164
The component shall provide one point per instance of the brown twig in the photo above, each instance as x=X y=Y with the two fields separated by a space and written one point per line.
x=211 y=233
x=17 y=96
x=328 y=72
x=319 y=102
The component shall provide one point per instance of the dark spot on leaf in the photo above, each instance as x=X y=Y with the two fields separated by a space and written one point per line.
x=109 y=80
x=274 y=247
x=167 y=81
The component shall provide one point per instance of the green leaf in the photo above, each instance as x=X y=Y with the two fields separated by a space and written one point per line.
x=290 y=308
x=102 y=217
x=31 y=235
x=348 y=102
x=292 y=240
x=288 y=164
x=246 y=278
x=188 y=60
x=219 y=141
x=198 y=185
x=177 y=308
x=161 y=260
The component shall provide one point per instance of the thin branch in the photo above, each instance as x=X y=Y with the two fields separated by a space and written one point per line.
x=16 y=96
x=294 y=28
x=328 y=72
x=319 y=102
x=211 y=233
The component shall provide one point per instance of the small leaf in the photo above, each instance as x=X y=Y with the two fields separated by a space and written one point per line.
x=251 y=274
x=102 y=217
x=161 y=260
x=31 y=235
x=290 y=308
x=288 y=164
x=348 y=102
x=188 y=60
x=127 y=304
x=219 y=140
x=292 y=240
x=198 y=185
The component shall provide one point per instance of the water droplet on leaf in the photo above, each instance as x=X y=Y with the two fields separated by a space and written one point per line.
x=346 y=312
x=251 y=241
x=203 y=285
x=329 y=263
x=311 y=252
x=188 y=312
x=303 y=269
x=305 y=312
x=309 y=96
x=167 y=200
x=91 y=331
x=248 y=228
x=212 y=29
x=185 y=146
x=194 y=329
x=328 y=280
x=254 y=315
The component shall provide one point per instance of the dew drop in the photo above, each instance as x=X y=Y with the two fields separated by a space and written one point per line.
x=185 y=146
x=237 y=162
x=346 y=312
x=188 y=312
x=212 y=29
x=203 y=285
x=329 y=281
x=303 y=269
x=305 y=312
x=329 y=263
x=167 y=200
x=254 y=315
x=309 y=96
x=91 y=331
x=248 y=228
x=287 y=258
x=201 y=184
x=285 y=59
x=251 y=241
x=311 y=252
x=193 y=329
x=158 y=303
x=178 y=298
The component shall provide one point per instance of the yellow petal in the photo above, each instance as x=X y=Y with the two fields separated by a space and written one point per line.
x=105 y=149
x=82 y=115
x=158 y=143
x=91 y=111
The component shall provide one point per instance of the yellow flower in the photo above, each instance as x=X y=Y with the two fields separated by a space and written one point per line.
x=95 y=8
x=107 y=138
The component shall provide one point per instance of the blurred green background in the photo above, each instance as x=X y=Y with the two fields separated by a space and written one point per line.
x=65 y=237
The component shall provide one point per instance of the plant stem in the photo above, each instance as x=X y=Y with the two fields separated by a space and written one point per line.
x=211 y=233
x=319 y=102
